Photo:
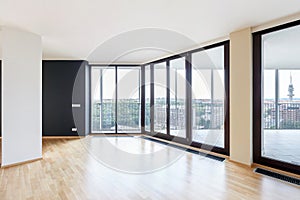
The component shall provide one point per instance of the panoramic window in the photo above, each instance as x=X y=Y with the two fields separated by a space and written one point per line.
x=183 y=101
x=187 y=101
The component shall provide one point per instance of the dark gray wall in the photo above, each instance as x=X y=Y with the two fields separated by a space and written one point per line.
x=64 y=83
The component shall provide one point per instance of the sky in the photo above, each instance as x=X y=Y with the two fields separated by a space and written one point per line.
x=281 y=51
x=284 y=81
x=128 y=84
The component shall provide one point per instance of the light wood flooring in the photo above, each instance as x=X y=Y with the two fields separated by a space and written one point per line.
x=71 y=171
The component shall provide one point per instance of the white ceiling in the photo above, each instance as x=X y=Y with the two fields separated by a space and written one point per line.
x=73 y=29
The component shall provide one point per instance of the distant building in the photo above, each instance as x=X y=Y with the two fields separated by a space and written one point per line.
x=288 y=115
x=291 y=89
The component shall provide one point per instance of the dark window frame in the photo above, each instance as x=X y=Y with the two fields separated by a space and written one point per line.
x=188 y=65
x=257 y=102
x=224 y=150
x=115 y=67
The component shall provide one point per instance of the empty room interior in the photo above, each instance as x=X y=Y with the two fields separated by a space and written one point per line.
x=128 y=99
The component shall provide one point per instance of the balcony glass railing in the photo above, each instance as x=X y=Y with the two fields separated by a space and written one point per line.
x=129 y=115
x=281 y=116
x=205 y=115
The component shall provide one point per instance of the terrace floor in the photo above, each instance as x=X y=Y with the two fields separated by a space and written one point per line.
x=283 y=145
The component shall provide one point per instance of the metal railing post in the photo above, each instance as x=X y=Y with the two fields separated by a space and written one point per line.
x=276 y=100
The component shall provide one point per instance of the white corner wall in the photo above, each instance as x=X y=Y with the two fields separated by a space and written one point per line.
x=21 y=96
x=241 y=96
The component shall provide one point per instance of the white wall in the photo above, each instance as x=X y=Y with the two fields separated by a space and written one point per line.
x=21 y=96
x=241 y=96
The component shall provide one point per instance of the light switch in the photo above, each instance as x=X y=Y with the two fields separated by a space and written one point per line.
x=75 y=105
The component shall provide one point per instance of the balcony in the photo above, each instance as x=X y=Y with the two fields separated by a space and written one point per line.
x=128 y=116
x=281 y=135
x=282 y=145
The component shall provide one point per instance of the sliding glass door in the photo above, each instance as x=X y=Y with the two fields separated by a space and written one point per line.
x=276 y=105
x=115 y=99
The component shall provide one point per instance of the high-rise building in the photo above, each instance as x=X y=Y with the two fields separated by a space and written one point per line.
x=291 y=89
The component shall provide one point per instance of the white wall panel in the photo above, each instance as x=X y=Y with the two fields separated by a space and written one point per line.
x=21 y=96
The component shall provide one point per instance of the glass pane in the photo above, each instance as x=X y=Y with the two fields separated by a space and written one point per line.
x=103 y=100
x=208 y=97
x=160 y=98
x=281 y=95
x=95 y=99
x=288 y=97
x=129 y=104
x=218 y=111
x=177 y=97
x=147 y=97
x=268 y=110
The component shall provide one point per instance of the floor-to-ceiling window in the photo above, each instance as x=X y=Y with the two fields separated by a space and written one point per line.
x=115 y=99
x=186 y=98
x=208 y=97
x=277 y=97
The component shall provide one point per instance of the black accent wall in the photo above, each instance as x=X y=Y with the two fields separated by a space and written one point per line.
x=64 y=83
